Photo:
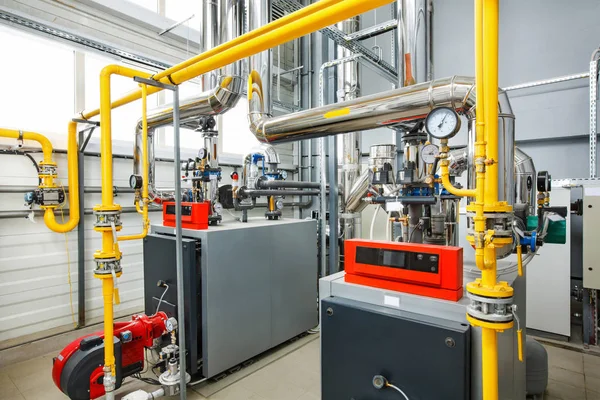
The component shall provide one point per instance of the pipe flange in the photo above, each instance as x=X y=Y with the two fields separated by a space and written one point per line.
x=106 y=266
x=106 y=219
x=47 y=170
x=497 y=310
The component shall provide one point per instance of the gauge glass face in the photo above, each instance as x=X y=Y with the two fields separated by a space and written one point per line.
x=218 y=208
x=169 y=325
x=429 y=153
x=279 y=204
x=202 y=153
x=284 y=174
x=442 y=123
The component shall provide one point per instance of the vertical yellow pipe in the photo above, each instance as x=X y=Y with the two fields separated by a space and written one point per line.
x=109 y=349
x=489 y=363
x=490 y=55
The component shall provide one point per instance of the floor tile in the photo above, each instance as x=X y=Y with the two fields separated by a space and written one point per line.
x=8 y=390
x=591 y=365
x=566 y=376
x=40 y=379
x=563 y=391
x=43 y=393
x=235 y=392
x=592 y=383
x=591 y=395
x=39 y=364
x=566 y=359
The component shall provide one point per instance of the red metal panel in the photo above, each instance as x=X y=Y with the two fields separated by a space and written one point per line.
x=198 y=218
x=445 y=284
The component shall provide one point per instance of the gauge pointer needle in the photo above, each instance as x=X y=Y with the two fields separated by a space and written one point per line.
x=443 y=119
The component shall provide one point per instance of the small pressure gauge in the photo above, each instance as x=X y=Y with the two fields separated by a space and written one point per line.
x=218 y=207
x=171 y=324
x=442 y=123
x=135 y=182
x=279 y=204
x=429 y=153
x=283 y=174
x=202 y=153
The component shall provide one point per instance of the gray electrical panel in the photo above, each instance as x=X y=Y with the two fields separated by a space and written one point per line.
x=256 y=288
x=426 y=357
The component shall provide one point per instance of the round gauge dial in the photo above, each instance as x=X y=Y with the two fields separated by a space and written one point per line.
x=442 y=123
x=135 y=182
x=202 y=153
x=283 y=174
x=429 y=153
x=279 y=204
x=218 y=207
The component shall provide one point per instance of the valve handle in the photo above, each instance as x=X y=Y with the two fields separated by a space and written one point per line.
x=513 y=310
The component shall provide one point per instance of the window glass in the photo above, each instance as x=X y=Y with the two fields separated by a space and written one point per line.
x=149 y=4
x=22 y=104
x=236 y=135
x=178 y=10
x=124 y=118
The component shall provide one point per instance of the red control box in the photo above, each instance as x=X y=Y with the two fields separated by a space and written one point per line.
x=193 y=215
x=421 y=269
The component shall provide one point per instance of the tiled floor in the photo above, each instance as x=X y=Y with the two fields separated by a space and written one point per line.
x=296 y=376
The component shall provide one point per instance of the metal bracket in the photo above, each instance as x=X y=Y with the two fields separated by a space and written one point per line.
x=152 y=82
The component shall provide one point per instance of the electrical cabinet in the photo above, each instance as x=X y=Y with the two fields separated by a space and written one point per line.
x=591 y=237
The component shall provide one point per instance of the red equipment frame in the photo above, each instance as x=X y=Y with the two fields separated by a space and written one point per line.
x=193 y=216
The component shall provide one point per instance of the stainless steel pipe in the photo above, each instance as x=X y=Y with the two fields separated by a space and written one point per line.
x=222 y=20
x=400 y=107
x=263 y=184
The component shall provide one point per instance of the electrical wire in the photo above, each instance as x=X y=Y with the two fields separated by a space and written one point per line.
x=161 y=299
x=373 y=222
x=397 y=389
x=26 y=154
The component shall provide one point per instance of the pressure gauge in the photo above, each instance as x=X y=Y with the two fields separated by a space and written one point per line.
x=202 y=153
x=442 y=123
x=279 y=204
x=283 y=174
x=218 y=207
x=135 y=182
x=429 y=153
x=171 y=324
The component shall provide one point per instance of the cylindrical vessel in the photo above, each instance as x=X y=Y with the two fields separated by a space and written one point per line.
x=413 y=42
x=506 y=151
x=525 y=176
x=259 y=14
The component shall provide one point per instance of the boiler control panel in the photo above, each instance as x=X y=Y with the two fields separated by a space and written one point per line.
x=422 y=269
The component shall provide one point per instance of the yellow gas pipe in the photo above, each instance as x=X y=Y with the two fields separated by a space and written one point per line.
x=48 y=175
x=486 y=189
x=293 y=26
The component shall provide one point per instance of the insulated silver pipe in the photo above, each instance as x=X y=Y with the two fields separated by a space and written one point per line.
x=223 y=20
x=399 y=107
x=413 y=42
x=525 y=176
x=348 y=88
x=259 y=100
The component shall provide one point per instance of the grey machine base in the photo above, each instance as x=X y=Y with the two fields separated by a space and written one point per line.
x=361 y=340
x=251 y=287
x=512 y=372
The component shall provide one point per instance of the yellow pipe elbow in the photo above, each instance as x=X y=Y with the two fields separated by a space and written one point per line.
x=73 y=172
x=41 y=139
x=452 y=189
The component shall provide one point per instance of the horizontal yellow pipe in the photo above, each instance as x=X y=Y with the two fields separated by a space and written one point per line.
x=73 y=166
x=278 y=23
x=298 y=24
x=41 y=139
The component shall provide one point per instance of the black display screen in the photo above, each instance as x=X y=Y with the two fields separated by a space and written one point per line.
x=185 y=210
x=415 y=261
